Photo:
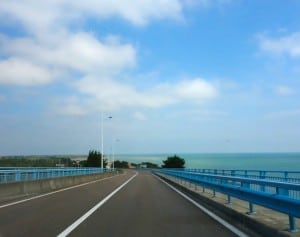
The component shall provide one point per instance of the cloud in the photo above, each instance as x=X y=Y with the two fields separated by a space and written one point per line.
x=37 y=61
x=285 y=45
x=196 y=89
x=51 y=43
x=53 y=14
x=20 y=72
x=107 y=94
x=284 y=90
x=48 y=15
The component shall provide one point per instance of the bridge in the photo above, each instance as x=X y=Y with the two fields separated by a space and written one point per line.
x=142 y=203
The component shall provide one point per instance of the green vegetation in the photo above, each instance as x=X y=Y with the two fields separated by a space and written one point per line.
x=94 y=160
x=34 y=161
x=125 y=164
x=121 y=164
x=149 y=165
x=173 y=162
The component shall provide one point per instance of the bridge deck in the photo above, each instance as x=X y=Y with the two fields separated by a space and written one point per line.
x=143 y=207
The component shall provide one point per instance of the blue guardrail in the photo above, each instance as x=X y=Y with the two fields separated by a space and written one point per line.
x=25 y=174
x=277 y=190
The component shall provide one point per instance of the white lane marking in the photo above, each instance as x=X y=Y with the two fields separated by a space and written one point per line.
x=92 y=210
x=58 y=191
x=208 y=212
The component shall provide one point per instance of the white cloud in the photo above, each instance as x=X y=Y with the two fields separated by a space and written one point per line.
x=36 y=15
x=196 y=89
x=284 y=90
x=20 y=72
x=71 y=105
x=53 y=45
x=50 y=47
x=106 y=94
x=81 y=52
x=289 y=44
x=110 y=94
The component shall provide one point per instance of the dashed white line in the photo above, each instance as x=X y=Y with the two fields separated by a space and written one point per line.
x=92 y=210
x=209 y=213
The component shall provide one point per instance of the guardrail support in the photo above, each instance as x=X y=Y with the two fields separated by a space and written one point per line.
x=214 y=194
x=251 y=209
x=293 y=224
x=229 y=199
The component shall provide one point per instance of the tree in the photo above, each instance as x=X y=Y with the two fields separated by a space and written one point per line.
x=121 y=164
x=94 y=159
x=173 y=162
x=150 y=165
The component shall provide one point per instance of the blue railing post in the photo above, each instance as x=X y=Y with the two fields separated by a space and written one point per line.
x=214 y=194
x=18 y=175
x=251 y=209
x=293 y=224
x=229 y=199
x=286 y=175
x=262 y=175
x=5 y=177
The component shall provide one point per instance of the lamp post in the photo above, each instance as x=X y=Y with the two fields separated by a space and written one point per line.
x=102 y=152
x=110 y=117
x=102 y=140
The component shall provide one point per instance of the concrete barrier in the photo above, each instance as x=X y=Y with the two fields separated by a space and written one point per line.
x=11 y=191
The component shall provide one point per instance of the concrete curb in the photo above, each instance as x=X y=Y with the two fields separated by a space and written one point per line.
x=11 y=191
x=242 y=221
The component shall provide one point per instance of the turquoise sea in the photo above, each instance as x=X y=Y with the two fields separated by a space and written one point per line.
x=257 y=161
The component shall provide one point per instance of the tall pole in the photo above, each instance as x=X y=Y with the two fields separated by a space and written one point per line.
x=110 y=118
x=113 y=166
x=102 y=152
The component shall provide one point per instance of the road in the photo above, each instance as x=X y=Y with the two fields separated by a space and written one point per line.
x=145 y=206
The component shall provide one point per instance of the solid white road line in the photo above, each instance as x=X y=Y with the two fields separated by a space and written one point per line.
x=91 y=211
x=209 y=213
x=58 y=191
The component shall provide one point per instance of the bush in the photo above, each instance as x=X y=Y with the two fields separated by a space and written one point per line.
x=173 y=162
x=94 y=159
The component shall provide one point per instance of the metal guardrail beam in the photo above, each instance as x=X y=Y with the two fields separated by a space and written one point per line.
x=25 y=174
x=285 y=176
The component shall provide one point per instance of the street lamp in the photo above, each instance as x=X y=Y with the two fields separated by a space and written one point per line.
x=102 y=139
x=102 y=152
x=110 y=117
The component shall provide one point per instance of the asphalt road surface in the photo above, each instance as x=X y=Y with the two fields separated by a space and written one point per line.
x=144 y=206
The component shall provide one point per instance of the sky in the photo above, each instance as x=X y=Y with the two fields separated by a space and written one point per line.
x=175 y=76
